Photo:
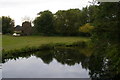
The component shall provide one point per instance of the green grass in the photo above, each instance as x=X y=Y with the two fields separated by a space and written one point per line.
x=11 y=43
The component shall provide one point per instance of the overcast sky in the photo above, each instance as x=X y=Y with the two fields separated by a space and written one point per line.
x=18 y=9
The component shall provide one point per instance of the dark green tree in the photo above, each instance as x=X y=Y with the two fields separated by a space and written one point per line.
x=89 y=14
x=7 y=25
x=92 y=13
x=84 y=16
x=106 y=36
x=60 y=22
x=44 y=23
x=68 y=22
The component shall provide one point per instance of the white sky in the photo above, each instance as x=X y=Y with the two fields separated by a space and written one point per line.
x=18 y=9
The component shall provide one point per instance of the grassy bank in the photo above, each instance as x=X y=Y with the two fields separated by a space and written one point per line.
x=12 y=43
x=81 y=45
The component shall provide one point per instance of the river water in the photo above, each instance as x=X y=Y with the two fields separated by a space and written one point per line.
x=46 y=64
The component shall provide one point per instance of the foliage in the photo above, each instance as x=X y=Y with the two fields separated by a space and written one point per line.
x=67 y=22
x=44 y=23
x=65 y=56
x=87 y=28
x=105 y=38
x=64 y=22
x=7 y=25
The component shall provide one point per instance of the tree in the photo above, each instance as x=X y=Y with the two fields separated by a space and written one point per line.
x=7 y=25
x=44 y=23
x=68 y=22
x=92 y=13
x=84 y=16
x=60 y=22
x=106 y=36
x=89 y=14
x=107 y=23
x=74 y=21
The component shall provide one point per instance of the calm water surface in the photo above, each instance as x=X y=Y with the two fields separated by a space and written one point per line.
x=46 y=64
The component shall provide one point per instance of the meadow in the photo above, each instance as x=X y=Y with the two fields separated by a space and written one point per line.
x=11 y=42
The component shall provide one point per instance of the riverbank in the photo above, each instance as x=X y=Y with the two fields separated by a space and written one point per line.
x=17 y=43
x=44 y=47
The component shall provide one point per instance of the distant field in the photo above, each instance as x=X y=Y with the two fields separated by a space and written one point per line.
x=10 y=42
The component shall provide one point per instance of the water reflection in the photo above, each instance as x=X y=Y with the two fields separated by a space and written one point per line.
x=58 y=63
x=103 y=67
x=68 y=56
x=61 y=63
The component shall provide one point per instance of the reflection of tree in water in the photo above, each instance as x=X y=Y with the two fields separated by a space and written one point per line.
x=46 y=56
x=70 y=57
x=100 y=66
x=63 y=56
x=15 y=56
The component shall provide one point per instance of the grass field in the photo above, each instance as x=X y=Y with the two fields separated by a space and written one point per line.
x=10 y=42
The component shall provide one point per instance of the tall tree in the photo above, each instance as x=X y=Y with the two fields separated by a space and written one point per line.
x=60 y=25
x=89 y=14
x=107 y=22
x=44 y=23
x=7 y=25
x=106 y=36
x=68 y=22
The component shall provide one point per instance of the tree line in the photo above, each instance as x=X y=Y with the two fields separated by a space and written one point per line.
x=62 y=23
x=65 y=22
